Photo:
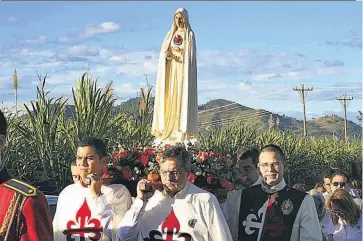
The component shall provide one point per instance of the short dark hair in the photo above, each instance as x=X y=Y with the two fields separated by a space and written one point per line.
x=339 y=173
x=247 y=152
x=95 y=143
x=179 y=152
x=300 y=186
x=275 y=149
x=3 y=124
x=318 y=185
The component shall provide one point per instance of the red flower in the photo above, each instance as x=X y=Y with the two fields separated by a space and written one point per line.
x=122 y=154
x=114 y=156
x=210 y=178
x=226 y=184
x=166 y=146
x=126 y=174
x=191 y=178
x=203 y=155
x=220 y=155
x=243 y=179
x=137 y=150
x=211 y=155
x=153 y=177
x=105 y=173
x=144 y=160
x=149 y=151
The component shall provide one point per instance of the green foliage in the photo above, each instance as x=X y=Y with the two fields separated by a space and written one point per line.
x=42 y=136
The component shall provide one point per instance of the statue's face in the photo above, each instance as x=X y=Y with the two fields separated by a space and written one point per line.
x=179 y=20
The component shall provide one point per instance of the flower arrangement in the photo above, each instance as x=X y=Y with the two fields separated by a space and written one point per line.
x=210 y=171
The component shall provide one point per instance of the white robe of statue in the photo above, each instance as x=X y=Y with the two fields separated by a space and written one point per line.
x=176 y=102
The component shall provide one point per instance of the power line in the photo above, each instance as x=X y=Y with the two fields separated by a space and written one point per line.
x=344 y=100
x=303 y=94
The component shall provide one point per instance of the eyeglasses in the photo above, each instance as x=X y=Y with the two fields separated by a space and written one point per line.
x=272 y=165
x=341 y=184
x=174 y=174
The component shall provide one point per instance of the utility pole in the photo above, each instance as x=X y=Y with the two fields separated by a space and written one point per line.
x=344 y=100
x=303 y=93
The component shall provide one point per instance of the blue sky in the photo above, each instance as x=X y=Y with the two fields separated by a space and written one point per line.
x=253 y=53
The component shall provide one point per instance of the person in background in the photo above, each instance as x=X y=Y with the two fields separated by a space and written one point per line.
x=357 y=187
x=75 y=172
x=273 y=210
x=327 y=186
x=346 y=217
x=339 y=180
x=24 y=210
x=247 y=164
x=48 y=187
x=319 y=187
x=323 y=214
x=89 y=205
x=300 y=186
x=182 y=211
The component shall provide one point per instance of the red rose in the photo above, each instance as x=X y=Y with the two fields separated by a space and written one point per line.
x=167 y=146
x=137 y=150
x=226 y=184
x=114 y=156
x=220 y=155
x=105 y=173
x=210 y=178
x=122 y=154
x=149 y=151
x=126 y=174
x=203 y=155
x=191 y=178
x=211 y=155
x=144 y=160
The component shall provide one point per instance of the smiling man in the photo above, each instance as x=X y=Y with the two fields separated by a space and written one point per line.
x=274 y=211
x=88 y=209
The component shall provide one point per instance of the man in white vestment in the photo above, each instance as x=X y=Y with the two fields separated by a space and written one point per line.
x=274 y=211
x=182 y=211
x=88 y=210
x=247 y=161
x=176 y=103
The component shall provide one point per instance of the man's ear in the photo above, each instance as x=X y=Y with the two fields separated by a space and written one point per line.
x=2 y=141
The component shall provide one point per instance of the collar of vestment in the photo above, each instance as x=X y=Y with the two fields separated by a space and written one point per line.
x=275 y=188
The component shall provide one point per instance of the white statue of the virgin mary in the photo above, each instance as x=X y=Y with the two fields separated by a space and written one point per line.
x=176 y=102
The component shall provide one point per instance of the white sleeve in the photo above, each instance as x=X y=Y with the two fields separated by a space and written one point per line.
x=128 y=229
x=57 y=231
x=216 y=223
x=309 y=223
x=230 y=210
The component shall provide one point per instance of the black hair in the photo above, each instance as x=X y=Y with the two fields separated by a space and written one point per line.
x=3 y=124
x=248 y=152
x=179 y=152
x=340 y=173
x=97 y=144
x=276 y=149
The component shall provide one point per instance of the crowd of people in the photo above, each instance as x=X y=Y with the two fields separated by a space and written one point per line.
x=266 y=208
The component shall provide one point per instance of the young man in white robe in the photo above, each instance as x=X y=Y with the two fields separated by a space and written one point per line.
x=247 y=164
x=88 y=210
x=181 y=211
x=274 y=211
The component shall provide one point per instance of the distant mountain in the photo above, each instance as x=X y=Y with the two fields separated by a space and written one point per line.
x=220 y=112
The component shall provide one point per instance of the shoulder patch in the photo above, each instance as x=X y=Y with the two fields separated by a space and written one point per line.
x=21 y=187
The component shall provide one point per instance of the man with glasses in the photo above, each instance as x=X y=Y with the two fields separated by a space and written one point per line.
x=340 y=180
x=182 y=211
x=273 y=210
x=247 y=160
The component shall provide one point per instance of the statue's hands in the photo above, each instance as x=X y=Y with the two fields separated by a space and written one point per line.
x=168 y=55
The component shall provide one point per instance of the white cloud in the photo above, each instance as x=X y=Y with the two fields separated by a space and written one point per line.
x=243 y=86
x=36 y=40
x=92 y=30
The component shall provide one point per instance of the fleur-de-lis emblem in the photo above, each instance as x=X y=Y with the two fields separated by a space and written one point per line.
x=83 y=224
